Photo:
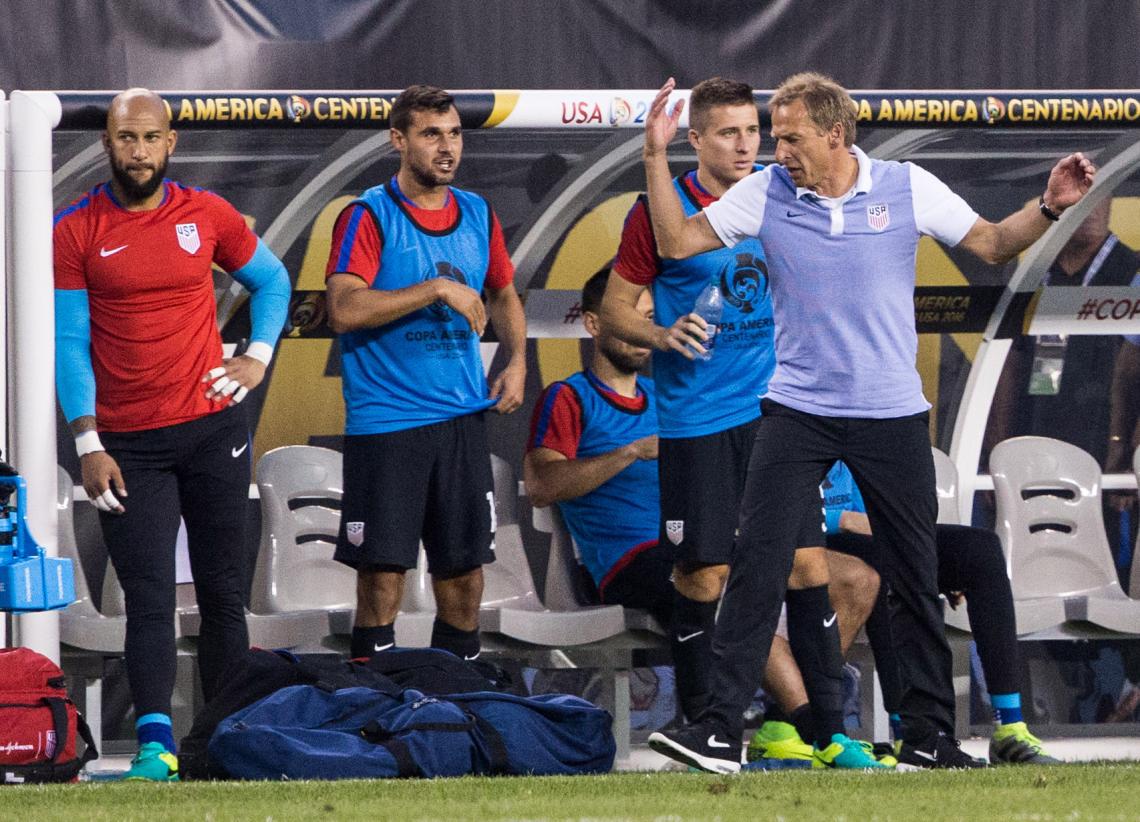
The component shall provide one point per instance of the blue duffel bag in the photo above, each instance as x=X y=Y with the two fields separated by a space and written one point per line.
x=304 y=732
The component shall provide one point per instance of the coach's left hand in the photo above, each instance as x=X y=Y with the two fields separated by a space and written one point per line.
x=233 y=379
x=508 y=387
x=1069 y=181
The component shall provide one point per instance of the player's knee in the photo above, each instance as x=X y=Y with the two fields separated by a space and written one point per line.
x=854 y=587
x=381 y=585
x=458 y=594
x=701 y=583
x=380 y=589
x=809 y=569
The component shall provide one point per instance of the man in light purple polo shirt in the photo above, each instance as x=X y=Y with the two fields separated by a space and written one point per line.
x=840 y=231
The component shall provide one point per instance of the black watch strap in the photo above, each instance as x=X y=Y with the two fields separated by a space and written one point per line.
x=1048 y=213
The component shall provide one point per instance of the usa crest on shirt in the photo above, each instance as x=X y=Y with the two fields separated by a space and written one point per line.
x=878 y=216
x=188 y=237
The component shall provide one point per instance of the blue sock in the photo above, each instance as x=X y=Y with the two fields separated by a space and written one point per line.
x=155 y=728
x=895 y=722
x=1007 y=708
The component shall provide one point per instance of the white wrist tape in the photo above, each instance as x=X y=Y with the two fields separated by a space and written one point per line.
x=260 y=351
x=88 y=442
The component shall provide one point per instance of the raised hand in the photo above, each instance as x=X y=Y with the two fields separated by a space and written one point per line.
x=1069 y=181
x=661 y=122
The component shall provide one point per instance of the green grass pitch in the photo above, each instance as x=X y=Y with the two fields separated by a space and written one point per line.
x=1070 y=792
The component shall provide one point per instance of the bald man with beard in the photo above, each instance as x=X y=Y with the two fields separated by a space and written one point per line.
x=154 y=405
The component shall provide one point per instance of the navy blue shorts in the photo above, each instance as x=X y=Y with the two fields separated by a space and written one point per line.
x=430 y=483
x=702 y=482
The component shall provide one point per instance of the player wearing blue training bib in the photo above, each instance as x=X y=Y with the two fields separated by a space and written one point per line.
x=583 y=417
x=840 y=231
x=409 y=264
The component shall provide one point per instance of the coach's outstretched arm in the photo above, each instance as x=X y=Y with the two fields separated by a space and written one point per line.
x=1069 y=181
x=677 y=236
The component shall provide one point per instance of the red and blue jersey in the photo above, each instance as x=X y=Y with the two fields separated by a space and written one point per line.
x=424 y=367
x=150 y=291
x=582 y=417
x=703 y=397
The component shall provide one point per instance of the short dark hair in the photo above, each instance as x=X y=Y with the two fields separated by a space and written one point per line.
x=418 y=98
x=827 y=102
x=595 y=289
x=716 y=91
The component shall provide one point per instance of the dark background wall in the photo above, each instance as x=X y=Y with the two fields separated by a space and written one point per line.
x=356 y=44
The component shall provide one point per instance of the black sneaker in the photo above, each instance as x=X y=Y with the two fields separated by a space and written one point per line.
x=700 y=746
x=936 y=751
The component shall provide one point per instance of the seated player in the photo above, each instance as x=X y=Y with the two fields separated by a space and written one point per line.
x=593 y=451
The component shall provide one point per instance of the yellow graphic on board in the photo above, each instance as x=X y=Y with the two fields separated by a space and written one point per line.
x=588 y=245
x=505 y=102
x=301 y=401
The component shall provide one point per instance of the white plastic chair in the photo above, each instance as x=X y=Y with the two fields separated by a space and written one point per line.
x=946 y=480
x=511 y=605
x=301 y=488
x=1051 y=526
x=81 y=624
x=90 y=634
x=564 y=590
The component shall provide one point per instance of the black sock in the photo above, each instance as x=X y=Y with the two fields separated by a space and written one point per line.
x=802 y=720
x=464 y=644
x=368 y=642
x=776 y=714
x=691 y=631
x=813 y=633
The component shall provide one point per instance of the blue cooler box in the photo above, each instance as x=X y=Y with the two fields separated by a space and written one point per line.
x=29 y=580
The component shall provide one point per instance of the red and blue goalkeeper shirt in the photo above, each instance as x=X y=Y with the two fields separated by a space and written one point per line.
x=150 y=290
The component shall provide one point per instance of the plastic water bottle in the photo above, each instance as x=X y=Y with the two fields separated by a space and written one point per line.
x=708 y=307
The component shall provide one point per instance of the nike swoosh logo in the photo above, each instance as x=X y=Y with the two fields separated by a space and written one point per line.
x=932 y=757
x=472 y=658
x=688 y=637
x=796 y=213
x=712 y=743
x=827 y=623
x=103 y=252
x=378 y=648
x=237 y=452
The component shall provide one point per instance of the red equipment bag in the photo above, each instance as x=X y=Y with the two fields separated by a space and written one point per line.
x=38 y=723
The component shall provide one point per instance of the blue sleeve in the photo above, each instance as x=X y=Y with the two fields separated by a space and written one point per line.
x=831 y=519
x=74 y=375
x=840 y=494
x=267 y=281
